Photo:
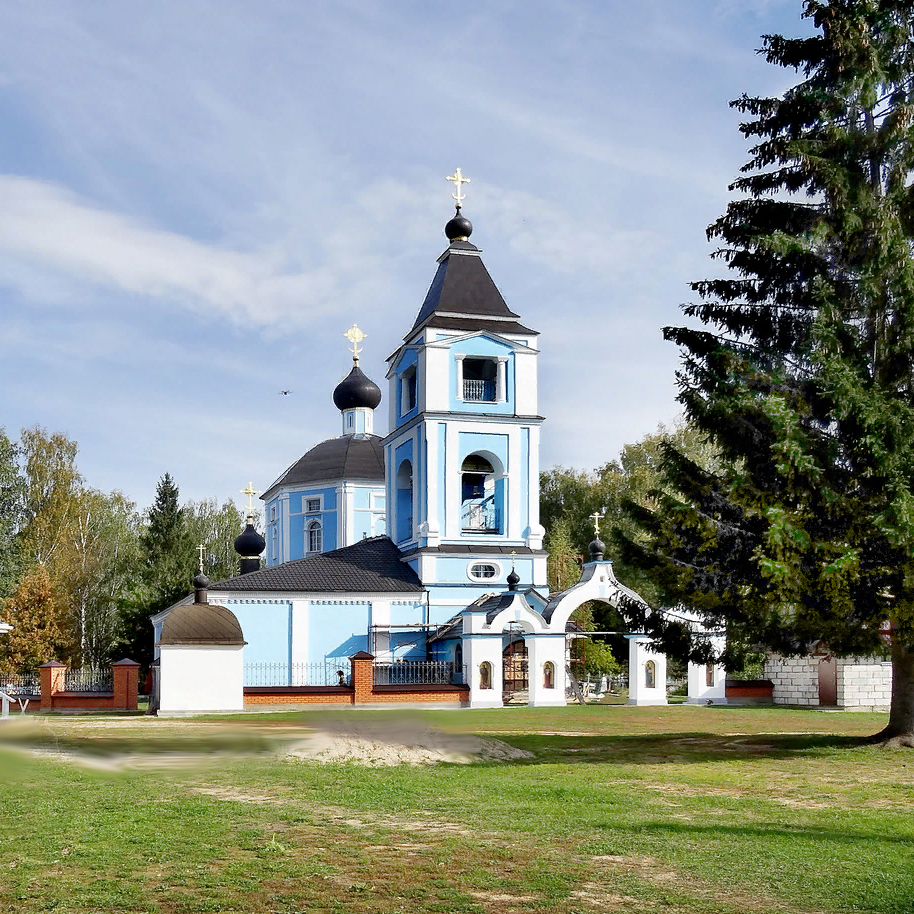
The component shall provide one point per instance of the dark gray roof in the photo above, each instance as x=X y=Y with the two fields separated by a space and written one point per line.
x=463 y=296
x=201 y=623
x=346 y=457
x=492 y=604
x=370 y=566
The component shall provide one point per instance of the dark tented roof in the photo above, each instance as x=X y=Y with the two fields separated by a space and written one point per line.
x=463 y=296
x=346 y=457
x=370 y=566
x=201 y=623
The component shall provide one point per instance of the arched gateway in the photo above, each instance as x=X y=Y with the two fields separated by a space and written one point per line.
x=511 y=646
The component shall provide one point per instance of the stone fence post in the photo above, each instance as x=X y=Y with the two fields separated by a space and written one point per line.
x=362 y=666
x=126 y=684
x=53 y=681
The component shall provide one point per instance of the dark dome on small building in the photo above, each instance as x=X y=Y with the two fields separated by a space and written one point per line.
x=249 y=542
x=357 y=391
x=201 y=623
x=347 y=457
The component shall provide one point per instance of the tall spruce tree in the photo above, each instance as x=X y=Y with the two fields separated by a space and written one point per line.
x=803 y=374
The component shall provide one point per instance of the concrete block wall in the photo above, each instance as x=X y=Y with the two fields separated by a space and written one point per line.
x=864 y=683
x=795 y=679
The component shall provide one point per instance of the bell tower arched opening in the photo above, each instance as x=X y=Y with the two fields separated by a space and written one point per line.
x=404 y=528
x=482 y=488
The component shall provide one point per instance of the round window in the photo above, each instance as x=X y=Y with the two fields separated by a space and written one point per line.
x=483 y=571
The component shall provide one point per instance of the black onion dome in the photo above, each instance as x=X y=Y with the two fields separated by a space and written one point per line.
x=597 y=549
x=459 y=228
x=356 y=391
x=249 y=542
x=513 y=580
x=201 y=581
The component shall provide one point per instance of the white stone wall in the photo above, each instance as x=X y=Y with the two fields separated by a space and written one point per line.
x=796 y=680
x=196 y=679
x=864 y=683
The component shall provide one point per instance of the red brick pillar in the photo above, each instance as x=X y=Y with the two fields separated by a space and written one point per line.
x=53 y=680
x=126 y=684
x=362 y=665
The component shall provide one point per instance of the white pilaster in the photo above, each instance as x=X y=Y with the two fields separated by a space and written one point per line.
x=640 y=654
x=300 y=613
x=543 y=649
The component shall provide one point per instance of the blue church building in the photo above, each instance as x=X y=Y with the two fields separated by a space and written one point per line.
x=399 y=545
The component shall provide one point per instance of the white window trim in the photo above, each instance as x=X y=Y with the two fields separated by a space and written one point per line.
x=311 y=525
x=308 y=498
x=476 y=580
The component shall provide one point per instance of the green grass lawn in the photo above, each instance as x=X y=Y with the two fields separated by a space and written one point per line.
x=676 y=809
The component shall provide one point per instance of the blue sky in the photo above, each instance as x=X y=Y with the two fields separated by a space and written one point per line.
x=198 y=198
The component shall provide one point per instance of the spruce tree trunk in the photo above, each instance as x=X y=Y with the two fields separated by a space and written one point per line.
x=900 y=729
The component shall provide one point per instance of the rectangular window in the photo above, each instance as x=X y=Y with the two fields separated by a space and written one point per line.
x=312 y=505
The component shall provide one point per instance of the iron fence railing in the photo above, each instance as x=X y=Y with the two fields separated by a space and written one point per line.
x=20 y=683
x=479 y=391
x=297 y=674
x=89 y=680
x=418 y=672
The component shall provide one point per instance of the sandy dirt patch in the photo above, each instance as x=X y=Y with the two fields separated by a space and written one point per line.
x=399 y=743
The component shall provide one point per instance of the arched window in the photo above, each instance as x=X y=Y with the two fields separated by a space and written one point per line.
x=650 y=674
x=548 y=675
x=315 y=537
x=404 y=501
x=481 y=496
x=485 y=675
x=458 y=663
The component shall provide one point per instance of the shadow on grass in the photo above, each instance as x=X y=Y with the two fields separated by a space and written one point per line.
x=680 y=831
x=678 y=748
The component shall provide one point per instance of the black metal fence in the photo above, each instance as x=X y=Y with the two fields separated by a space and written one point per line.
x=89 y=679
x=15 y=684
x=297 y=674
x=418 y=672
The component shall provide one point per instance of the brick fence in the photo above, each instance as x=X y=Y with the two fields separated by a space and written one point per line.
x=362 y=691
x=122 y=697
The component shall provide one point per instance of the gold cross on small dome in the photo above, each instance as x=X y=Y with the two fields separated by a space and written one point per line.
x=355 y=336
x=596 y=523
x=458 y=179
x=200 y=549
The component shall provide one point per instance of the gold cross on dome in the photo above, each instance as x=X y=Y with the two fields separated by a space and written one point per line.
x=513 y=557
x=458 y=179
x=596 y=523
x=355 y=336
x=200 y=549
x=250 y=491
